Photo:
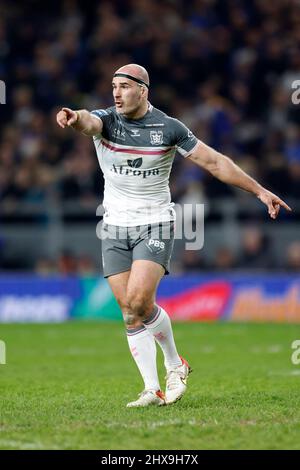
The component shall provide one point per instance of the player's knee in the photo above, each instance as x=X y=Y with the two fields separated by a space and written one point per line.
x=129 y=319
x=140 y=306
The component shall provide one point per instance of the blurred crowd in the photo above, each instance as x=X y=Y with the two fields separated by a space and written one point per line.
x=224 y=67
x=255 y=253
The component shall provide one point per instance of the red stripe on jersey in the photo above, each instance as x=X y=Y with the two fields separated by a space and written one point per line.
x=135 y=152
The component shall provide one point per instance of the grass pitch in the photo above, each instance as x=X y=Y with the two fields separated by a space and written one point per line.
x=66 y=386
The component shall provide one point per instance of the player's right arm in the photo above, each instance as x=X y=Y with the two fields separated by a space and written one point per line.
x=81 y=120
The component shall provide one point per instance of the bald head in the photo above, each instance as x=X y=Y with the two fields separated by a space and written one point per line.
x=136 y=71
x=130 y=85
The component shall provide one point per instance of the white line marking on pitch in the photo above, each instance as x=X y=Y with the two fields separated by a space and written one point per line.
x=24 y=445
x=153 y=424
x=285 y=372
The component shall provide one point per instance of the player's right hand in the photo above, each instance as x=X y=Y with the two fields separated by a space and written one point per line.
x=66 y=117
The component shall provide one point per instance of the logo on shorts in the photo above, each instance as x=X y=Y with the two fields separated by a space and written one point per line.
x=155 y=246
x=156 y=137
x=135 y=163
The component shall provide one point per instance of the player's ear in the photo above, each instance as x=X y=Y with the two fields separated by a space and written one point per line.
x=143 y=90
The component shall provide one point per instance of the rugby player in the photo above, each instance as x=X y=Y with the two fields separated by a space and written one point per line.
x=135 y=145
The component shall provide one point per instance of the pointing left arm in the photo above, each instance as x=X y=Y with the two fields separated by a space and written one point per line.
x=227 y=171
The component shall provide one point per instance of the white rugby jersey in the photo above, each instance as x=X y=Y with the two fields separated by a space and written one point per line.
x=136 y=158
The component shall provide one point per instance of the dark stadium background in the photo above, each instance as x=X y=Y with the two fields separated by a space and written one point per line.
x=225 y=68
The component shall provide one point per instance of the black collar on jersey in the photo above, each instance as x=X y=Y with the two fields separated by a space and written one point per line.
x=141 y=82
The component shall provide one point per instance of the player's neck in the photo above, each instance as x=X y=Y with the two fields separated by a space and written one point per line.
x=139 y=113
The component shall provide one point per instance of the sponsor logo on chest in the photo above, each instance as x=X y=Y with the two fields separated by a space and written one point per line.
x=132 y=169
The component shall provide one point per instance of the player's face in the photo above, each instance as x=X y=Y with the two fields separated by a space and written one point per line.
x=128 y=95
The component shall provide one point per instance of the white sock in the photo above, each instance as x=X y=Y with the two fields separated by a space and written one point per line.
x=143 y=350
x=159 y=325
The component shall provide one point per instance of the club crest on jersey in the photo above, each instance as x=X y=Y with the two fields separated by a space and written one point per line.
x=156 y=137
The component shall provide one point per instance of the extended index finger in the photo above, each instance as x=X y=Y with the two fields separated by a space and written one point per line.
x=283 y=204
